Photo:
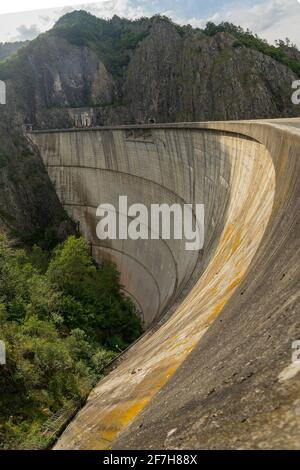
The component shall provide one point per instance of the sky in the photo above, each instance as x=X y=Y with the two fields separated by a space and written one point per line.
x=270 y=19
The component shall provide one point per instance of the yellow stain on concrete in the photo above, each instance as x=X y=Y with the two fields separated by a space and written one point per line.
x=217 y=310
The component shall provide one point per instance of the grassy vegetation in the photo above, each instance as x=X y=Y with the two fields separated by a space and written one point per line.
x=248 y=39
x=62 y=319
x=9 y=48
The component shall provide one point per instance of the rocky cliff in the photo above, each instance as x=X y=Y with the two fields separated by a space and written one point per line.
x=196 y=78
x=30 y=211
x=131 y=71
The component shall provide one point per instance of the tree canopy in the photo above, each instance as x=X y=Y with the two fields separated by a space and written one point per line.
x=62 y=319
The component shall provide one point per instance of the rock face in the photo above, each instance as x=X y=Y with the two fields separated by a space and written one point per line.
x=29 y=208
x=53 y=75
x=200 y=78
x=69 y=76
x=153 y=85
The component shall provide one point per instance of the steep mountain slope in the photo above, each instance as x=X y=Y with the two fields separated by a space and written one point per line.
x=29 y=208
x=196 y=78
x=132 y=71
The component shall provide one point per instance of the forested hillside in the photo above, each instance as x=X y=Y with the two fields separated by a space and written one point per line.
x=62 y=319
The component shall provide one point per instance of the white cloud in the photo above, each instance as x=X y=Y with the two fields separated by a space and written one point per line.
x=123 y=8
x=27 y=32
x=195 y=22
x=15 y=6
x=272 y=19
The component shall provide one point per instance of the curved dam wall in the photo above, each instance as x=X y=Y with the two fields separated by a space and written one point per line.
x=152 y=166
x=246 y=175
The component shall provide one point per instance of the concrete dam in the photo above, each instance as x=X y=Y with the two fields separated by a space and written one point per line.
x=214 y=368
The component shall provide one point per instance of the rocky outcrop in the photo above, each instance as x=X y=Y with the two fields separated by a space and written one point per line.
x=205 y=78
x=29 y=208
x=52 y=75
x=68 y=76
x=153 y=83
x=130 y=72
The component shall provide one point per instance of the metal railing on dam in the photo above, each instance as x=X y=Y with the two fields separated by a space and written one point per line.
x=210 y=374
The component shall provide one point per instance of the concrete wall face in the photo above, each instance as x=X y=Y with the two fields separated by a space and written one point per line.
x=150 y=167
x=244 y=174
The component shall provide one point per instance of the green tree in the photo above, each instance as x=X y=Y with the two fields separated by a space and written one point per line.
x=63 y=319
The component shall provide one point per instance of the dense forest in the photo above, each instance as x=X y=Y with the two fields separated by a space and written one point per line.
x=62 y=319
